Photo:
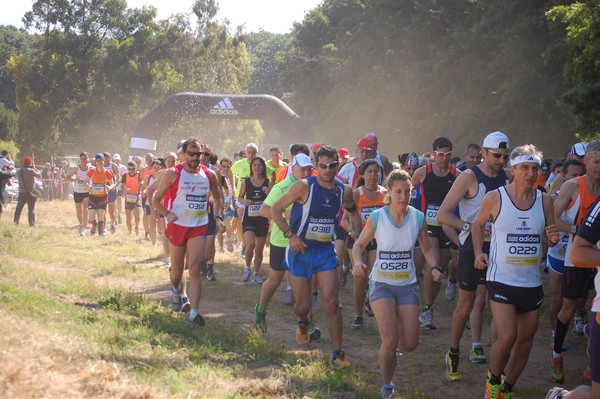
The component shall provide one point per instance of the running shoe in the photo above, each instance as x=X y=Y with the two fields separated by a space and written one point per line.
x=137 y=231
x=257 y=279
x=203 y=268
x=103 y=232
x=314 y=333
x=556 y=392
x=260 y=321
x=93 y=229
x=210 y=273
x=340 y=362
x=367 y=308
x=452 y=370
x=113 y=228
x=489 y=375
x=288 y=299
x=119 y=220
x=168 y=262
x=477 y=355
x=426 y=319
x=302 y=337
x=388 y=391
x=492 y=391
x=221 y=250
x=451 y=290
x=578 y=326
x=197 y=321
x=175 y=299
x=345 y=272
x=229 y=244
x=504 y=394
x=558 y=374
x=186 y=306
x=246 y=274
x=81 y=231
x=358 y=322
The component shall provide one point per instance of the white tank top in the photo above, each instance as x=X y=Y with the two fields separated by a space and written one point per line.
x=80 y=185
x=559 y=250
x=190 y=199
x=516 y=245
x=394 y=263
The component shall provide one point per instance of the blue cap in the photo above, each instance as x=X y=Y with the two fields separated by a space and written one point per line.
x=100 y=156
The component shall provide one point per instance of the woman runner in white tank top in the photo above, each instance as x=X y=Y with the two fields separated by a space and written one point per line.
x=392 y=286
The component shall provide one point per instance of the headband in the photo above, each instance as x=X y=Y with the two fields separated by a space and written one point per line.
x=525 y=158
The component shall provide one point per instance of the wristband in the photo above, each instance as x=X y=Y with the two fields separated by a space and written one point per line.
x=438 y=268
x=288 y=233
x=220 y=217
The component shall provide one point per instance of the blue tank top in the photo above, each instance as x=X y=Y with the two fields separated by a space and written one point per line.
x=315 y=221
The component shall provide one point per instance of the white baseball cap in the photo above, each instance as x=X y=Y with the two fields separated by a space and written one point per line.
x=496 y=139
x=302 y=160
x=116 y=157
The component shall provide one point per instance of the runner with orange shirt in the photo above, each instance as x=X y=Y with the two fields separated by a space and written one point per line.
x=100 y=179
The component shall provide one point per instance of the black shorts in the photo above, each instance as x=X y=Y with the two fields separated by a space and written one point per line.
x=131 y=205
x=594 y=345
x=79 y=197
x=371 y=246
x=256 y=224
x=96 y=203
x=277 y=258
x=525 y=299
x=576 y=281
x=443 y=240
x=468 y=277
x=147 y=209
x=342 y=234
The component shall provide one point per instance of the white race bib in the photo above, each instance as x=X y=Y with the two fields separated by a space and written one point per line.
x=431 y=215
x=320 y=229
x=98 y=189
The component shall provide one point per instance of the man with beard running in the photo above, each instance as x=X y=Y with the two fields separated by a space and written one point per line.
x=188 y=185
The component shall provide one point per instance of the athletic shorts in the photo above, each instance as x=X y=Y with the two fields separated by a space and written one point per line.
x=231 y=214
x=179 y=235
x=525 y=299
x=131 y=205
x=147 y=210
x=277 y=258
x=443 y=240
x=211 y=226
x=576 y=281
x=557 y=265
x=79 y=197
x=315 y=259
x=257 y=224
x=402 y=294
x=112 y=196
x=342 y=234
x=95 y=203
x=594 y=345
x=468 y=277
x=371 y=246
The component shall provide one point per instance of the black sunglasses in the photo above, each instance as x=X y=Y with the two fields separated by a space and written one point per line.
x=194 y=154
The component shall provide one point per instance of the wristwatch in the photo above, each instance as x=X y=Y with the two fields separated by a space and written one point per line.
x=288 y=233
x=466 y=227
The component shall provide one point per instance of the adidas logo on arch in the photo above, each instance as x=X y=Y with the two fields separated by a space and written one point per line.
x=224 y=107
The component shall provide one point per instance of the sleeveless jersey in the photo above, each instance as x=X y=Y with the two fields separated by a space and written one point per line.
x=469 y=207
x=394 y=262
x=132 y=185
x=559 y=250
x=257 y=195
x=586 y=199
x=350 y=172
x=99 y=182
x=189 y=197
x=81 y=186
x=315 y=221
x=380 y=163
x=366 y=206
x=433 y=191
x=516 y=247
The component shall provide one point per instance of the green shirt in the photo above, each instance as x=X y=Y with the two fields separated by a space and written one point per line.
x=242 y=169
x=277 y=192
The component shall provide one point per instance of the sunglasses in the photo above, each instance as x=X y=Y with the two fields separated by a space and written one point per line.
x=498 y=155
x=194 y=154
x=331 y=165
x=443 y=154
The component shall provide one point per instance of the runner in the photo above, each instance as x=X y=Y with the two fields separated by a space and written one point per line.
x=301 y=168
x=253 y=191
x=112 y=194
x=146 y=171
x=158 y=166
x=522 y=216
x=131 y=185
x=100 y=181
x=228 y=189
x=578 y=194
x=393 y=281
x=120 y=194
x=317 y=202
x=472 y=157
x=78 y=174
x=349 y=172
x=189 y=185
x=467 y=193
x=436 y=179
x=382 y=160
x=210 y=247
x=577 y=152
x=275 y=163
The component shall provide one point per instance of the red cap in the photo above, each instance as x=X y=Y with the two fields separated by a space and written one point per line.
x=315 y=147
x=344 y=153
x=27 y=160
x=365 y=143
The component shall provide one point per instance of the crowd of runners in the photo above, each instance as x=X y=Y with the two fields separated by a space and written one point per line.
x=490 y=222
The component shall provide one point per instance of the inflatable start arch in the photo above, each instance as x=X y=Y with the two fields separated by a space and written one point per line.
x=226 y=106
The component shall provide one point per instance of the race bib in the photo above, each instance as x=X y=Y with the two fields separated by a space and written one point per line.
x=365 y=212
x=431 y=215
x=196 y=205
x=523 y=249
x=253 y=210
x=81 y=185
x=131 y=198
x=394 y=265
x=98 y=189
x=562 y=244
x=320 y=229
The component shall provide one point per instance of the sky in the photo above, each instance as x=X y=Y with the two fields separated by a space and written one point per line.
x=275 y=16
